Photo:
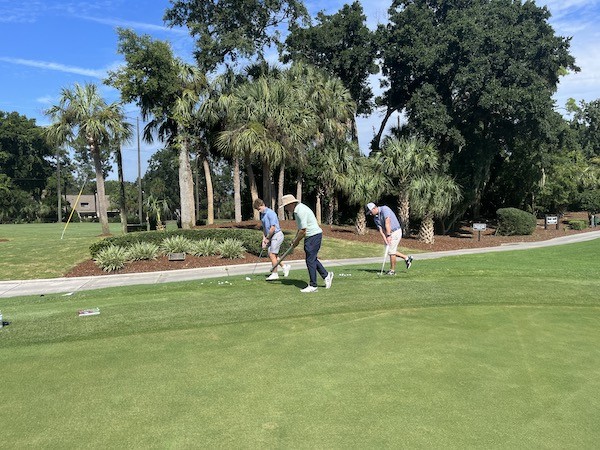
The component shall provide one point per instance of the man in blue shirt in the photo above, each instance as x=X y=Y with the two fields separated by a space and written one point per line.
x=391 y=232
x=309 y=230
x=272 y=237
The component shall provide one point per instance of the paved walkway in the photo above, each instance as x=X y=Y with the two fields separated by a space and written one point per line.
x=70 y=285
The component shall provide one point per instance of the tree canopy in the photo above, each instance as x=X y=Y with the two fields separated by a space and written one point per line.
x=233 y=28
x=342 y=45
x=473 y=75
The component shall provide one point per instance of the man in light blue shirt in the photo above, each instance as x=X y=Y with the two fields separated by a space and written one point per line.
x=391 y=231
x=309 y=230
x=272 y=238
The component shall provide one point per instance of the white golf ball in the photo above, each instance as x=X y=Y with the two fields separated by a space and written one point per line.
x=248 y=278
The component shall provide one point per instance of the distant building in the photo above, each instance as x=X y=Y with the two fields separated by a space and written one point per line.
x=87 y=206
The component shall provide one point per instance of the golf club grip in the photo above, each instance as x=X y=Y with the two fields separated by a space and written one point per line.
x=287 y=252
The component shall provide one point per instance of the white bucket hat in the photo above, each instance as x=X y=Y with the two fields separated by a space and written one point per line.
x=287 y=199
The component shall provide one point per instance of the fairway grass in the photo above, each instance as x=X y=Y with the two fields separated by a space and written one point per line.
x=497 y=350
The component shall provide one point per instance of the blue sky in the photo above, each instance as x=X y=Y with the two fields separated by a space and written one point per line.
x=46 y=45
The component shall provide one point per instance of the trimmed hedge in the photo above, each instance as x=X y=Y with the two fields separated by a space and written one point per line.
x=577 y=224
x=515 y=222
x=251 y=239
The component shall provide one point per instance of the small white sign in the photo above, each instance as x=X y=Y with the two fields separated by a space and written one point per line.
x=479 y=226
x=551 y=220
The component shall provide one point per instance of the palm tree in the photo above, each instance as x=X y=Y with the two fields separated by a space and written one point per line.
x=266 y=121
x=334 y=109
x=402 y=160
x=432 y=196
x=362 y=183
x=82 y=114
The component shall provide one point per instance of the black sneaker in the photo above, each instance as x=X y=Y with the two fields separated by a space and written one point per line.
x=408 y=262
x=391 y=272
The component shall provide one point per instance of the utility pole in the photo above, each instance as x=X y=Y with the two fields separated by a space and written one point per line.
x=139 y=170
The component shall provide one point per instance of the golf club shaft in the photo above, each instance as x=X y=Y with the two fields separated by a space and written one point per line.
x=259 y=256
x=287 y=252
x=387 y=247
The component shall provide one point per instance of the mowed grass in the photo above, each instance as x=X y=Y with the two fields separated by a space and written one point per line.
x=497 y=350
x=34 y=251
x=29 y=251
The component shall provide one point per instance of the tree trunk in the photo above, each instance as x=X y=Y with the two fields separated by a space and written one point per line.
x=237 y=197
x=361 y=222
x=266 y=184
x=404 y=211
x=426 y=230
x=299 y=186
x=318 y=205
x=377 y=139
x=122 y=205
x=330 y=208
x=210 y=195
x=100 y=191
x=186 y=187
x=280 y=211
x=253 y=187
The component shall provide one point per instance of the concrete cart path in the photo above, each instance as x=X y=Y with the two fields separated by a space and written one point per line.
x=70 y=285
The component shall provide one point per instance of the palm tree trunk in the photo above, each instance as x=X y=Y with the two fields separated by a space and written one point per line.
x=122 y=205
x=253 y=186
x=404 y=211
x=186 y=187
x=280 y=211
x=237 y=197
x=101 y=193
x=361 y=222
x=266 y=184
x=426 y=230
x=318 y=205
x=299 y=186
x=210 y=194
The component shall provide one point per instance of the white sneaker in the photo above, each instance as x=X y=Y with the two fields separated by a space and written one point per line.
x=308 y=289
x=286 y=270
x=273 y=276
x=328 y=280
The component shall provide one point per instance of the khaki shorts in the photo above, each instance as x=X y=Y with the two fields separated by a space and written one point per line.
x=276 y=242
x=396 y=236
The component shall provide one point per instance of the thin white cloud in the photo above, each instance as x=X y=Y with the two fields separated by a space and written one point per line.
x=46 y=100
x=135 y=25
x=56 y=67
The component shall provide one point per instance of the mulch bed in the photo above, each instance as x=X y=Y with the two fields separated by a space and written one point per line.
x=461 y=239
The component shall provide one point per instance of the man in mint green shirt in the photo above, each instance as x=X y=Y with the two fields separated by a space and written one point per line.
x=309 y=230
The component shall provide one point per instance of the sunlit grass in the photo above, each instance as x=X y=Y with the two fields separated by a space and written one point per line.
x=487 y=351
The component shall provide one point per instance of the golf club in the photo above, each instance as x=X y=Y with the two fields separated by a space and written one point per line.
x=259 y=257
x=387 y=247
x=282 y=257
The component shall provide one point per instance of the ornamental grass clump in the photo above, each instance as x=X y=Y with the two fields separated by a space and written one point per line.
x=232 y=249
x=205 y=247
x=143 y=251
x=177 y=244
x=112 y=258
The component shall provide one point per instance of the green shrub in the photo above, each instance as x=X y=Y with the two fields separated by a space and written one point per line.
x=251 y=239
x=513 y=221
x=176 y=244
x=577 y=224
x=590 y=201
x=143 y=251
x=231 y=248
x=112 y=258
x=205 y=247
